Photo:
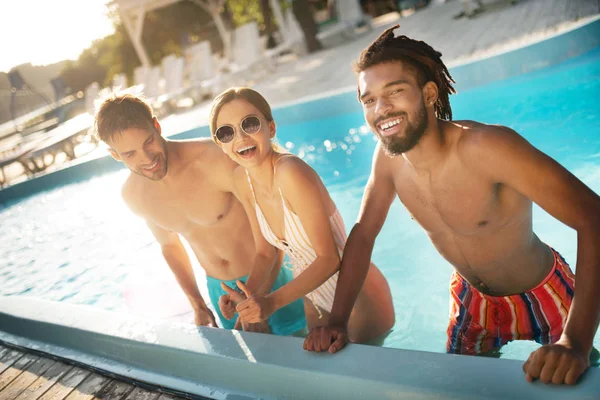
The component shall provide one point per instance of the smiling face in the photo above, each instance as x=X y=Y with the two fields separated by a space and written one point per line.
x=393 y=105
x=143 y=151
x=248 y=150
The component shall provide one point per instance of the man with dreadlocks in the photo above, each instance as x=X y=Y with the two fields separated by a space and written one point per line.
x=471 y=187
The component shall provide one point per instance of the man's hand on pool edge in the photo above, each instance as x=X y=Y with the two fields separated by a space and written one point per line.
x=205 y=317
x=557 y=363
x=326 y=338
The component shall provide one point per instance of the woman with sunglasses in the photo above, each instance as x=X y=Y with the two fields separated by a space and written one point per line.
x=290 y=208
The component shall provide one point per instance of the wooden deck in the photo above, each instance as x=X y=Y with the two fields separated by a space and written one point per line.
x=26 y=376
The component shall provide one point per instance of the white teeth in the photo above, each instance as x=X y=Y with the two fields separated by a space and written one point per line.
x=245 y=148
x=152 y=166
x=389 y=124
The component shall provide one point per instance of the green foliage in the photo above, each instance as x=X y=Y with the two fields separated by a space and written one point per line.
x=167 y=30
x=78 y=75
x=244 y=11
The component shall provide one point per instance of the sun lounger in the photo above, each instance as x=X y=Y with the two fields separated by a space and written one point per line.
x=61 y=139
x=204 y=76
x=349 y=17
x=172 y=68
x=249 y=60
x=293 y=37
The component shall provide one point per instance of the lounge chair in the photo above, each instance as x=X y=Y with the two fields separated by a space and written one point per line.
x=293 y=37
x=349 y=17
x=172 y=72
x=203 y=74
x=249 y=58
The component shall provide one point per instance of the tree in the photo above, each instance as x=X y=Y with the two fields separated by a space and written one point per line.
x=267 y=15
x=215 y=8
x=304 y=15
x=167 y=30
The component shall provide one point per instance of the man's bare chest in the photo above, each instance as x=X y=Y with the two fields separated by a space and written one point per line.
x=188 y=208
x=458 y=205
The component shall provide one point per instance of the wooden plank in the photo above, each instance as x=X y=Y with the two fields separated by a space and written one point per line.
x=27 y=377
x=115 y=390
x=45 y=381
x=12 y=372
x=89 y=387
x=141 y=394
x=66 y=385
x=9 y=358
x=165 y=396
x=3 y=351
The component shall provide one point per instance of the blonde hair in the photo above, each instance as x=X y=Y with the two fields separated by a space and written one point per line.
x=243 y=93
x=252 y=97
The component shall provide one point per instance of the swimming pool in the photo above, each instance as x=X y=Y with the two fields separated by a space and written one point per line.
x=78 y=243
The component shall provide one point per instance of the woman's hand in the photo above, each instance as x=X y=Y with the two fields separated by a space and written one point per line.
x=227 y=302
x=255 y=308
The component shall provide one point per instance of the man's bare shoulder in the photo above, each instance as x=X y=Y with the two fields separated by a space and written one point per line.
x=475 y=138
x=193 y=148
x=383 y=163
x=483 y=147
x=204 y=154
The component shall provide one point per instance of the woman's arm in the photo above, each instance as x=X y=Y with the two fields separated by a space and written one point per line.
x=302 y=188
x=266 y=256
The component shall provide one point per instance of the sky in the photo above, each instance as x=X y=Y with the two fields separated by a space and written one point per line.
x=47 y=31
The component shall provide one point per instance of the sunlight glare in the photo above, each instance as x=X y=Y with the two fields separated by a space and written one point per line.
x=45 y=32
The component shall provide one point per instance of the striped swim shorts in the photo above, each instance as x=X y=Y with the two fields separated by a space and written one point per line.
x=479 y=322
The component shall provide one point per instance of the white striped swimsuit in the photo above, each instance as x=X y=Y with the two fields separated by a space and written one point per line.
x=296 y=245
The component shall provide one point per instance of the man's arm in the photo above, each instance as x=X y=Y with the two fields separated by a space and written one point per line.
x=178 y=260
x=509 y=159
x=377 y=199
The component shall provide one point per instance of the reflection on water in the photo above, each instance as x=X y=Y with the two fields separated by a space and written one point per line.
x=67 y=244
x=80 y=244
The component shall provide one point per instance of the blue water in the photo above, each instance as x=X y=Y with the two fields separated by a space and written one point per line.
x=80 y=244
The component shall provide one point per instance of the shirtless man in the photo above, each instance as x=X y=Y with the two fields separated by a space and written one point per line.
x=186 y=188
x=471 y=187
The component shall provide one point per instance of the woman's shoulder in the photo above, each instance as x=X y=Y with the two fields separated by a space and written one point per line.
x=290 y=163
x=291 y=170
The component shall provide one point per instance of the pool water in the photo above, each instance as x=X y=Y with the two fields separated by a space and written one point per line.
x=80 y=244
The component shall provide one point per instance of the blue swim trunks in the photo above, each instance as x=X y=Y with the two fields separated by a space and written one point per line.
x=285 y=321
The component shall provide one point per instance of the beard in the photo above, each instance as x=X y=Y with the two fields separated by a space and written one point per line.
x=396 y=145
x=162 y=158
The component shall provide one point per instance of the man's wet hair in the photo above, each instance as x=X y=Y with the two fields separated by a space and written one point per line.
x=416 y=55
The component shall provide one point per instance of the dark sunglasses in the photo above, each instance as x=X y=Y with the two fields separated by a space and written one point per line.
x=250 y=125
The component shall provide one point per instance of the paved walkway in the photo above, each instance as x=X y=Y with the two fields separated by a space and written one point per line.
x=499 y=28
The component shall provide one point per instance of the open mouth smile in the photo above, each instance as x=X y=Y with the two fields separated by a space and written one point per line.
x=390 y=126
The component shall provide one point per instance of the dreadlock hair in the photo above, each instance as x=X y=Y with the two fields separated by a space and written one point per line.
x=416 y=55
